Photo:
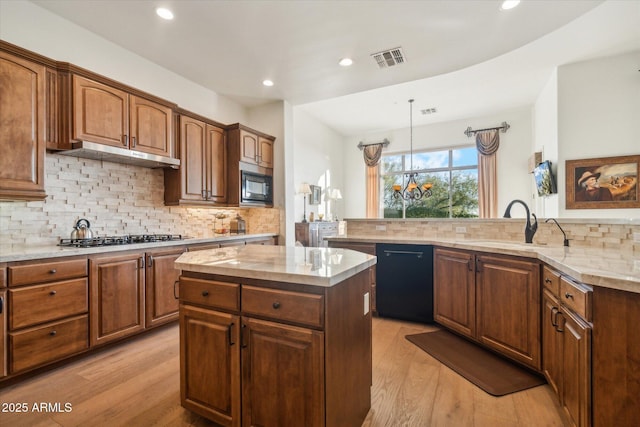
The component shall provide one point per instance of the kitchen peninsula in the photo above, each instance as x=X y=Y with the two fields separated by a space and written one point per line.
x=276 y=335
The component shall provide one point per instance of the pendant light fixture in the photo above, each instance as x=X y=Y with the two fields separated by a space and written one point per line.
x=411 y=191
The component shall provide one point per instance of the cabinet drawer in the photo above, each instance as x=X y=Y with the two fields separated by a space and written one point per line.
x=210 y=293
x=38 y=304
x=3 y=277
x=551 y=280
x=28 y=274
x=48 y=343
x=289 y=306
x=576 y=297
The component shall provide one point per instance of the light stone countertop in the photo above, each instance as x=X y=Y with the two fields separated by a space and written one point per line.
x=32 y=252
x=607 y=268
x=292 y=264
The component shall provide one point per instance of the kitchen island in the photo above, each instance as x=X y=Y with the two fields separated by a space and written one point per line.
x=276 y=336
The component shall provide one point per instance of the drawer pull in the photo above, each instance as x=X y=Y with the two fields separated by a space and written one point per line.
x=205 y=293
x=547 y=280
x=567 y=295
x=53 y=271
x=52 y=293
x=276 y=305
x=53 y=333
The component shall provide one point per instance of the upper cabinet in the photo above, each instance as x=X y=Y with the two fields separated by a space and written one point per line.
x=202 y=178
x=112 y=116
x=23 y=94
x=251 y=146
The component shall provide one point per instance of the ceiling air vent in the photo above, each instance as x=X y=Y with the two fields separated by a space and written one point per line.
x=389 y=58
x=428 y=111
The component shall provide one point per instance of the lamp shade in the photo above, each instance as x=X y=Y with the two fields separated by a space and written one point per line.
x=304 y=189
x=336 y=194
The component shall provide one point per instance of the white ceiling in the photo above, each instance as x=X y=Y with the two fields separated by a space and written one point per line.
x=464 y=57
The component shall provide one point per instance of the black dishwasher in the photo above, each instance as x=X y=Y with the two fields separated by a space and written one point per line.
x=404 y=282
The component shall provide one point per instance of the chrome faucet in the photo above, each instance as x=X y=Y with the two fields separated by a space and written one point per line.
x=529 y=229
x=566 y=241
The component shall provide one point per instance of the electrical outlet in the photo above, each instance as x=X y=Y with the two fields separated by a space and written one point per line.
x=461 y=229
x=381 y=228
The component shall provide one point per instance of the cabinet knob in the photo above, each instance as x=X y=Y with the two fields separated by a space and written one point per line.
x=205 y=293
x=567 y=295
x=276 y=305
x=52 y=293
x=53 y=271
x=53 y=333
x=547 y=280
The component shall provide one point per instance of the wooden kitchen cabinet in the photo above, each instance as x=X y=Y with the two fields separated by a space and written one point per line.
x=22 y=127
x=566 y=347
x=367 y=248
x=161 y=305
x=492 y=299
x=252 y=146
x=312 y=234
x=112 y=116
x=117 y=285
x=202 y=177
x=3 y=333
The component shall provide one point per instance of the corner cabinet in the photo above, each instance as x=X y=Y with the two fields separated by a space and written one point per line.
x=23 y=95
x=202 y=177
x=492 y=299
x=268 y=353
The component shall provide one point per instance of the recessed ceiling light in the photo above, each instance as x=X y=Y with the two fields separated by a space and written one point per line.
x=164 y=13
x=509 y=4
x=267 y=82
x=345 y=62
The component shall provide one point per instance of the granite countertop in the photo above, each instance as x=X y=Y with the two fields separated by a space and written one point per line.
x=608 y=268
x=31 y=252
x=292 y=264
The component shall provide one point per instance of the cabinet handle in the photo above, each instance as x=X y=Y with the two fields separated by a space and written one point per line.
x=150 y=261
x=52 y=293
x=230 y=334
x=554 y=315
x=559 y=329
x=243 y=334
x=133 y=141
x=205 y=293
x=141 y=262
x=478 y=266
x=1 y=305
x=567 y=295
x=547 y=280
x=176 y=294
x=53 y=333
x=53 y=271
x=276 y=305
x=470 y=265
x=125 y=140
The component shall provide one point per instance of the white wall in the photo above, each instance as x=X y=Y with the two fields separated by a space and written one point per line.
x=514 y=182
x=31 y=27
x=318 y=160
x=598 y=114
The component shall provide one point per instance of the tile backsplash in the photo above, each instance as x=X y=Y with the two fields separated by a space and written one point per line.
x=116 y=199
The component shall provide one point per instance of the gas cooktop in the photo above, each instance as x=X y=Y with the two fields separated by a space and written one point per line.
x=118 y=240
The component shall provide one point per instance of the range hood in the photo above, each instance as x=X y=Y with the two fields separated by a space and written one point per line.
x=108 y=153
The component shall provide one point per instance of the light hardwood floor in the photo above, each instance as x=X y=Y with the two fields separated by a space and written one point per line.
x=138 y=384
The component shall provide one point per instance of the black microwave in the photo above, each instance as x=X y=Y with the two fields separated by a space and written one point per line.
x=256 y=188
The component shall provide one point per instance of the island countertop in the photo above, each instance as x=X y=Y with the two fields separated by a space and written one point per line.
x=292 y=264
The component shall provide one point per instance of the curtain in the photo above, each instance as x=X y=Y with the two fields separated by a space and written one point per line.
x=487 y=143
x=372 y=154
x=373 y=191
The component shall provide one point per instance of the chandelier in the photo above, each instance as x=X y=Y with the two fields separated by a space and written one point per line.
x=412 y=190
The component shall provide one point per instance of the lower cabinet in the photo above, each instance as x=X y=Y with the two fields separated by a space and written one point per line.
x=161 y=277
x=566 y=334
x=117 y=296
x=3 y=333
x=367 y=248
x=492 y=299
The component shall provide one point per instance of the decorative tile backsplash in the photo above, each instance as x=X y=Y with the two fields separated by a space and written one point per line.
x=616 y=234
x=116 y=199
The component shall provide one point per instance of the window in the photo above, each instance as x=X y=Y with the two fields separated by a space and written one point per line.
x=453 y=173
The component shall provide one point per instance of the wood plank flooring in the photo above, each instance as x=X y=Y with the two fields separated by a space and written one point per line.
x=138 y=384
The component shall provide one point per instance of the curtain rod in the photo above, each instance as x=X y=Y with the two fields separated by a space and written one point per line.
x=384 y=143
x=470 y=131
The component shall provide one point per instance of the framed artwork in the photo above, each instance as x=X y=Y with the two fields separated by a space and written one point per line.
x=603 y=183
x=316 y=195
x=545 y=182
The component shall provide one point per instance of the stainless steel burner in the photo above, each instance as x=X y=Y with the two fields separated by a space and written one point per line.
x=118 y=240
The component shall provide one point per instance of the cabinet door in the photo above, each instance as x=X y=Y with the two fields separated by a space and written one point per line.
x=210 y=364
x=100 y=113
x=576 y=368
x=508 y=307
x=248 y=147
x=265 y=152
x=22 y=127
x=282 y=375
x=454 y=299
x=193 y=158
x=552 y=342
x=151 y=127
x=161 y=305
x=117 y=297
x=216 y=165
x=3 y=333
